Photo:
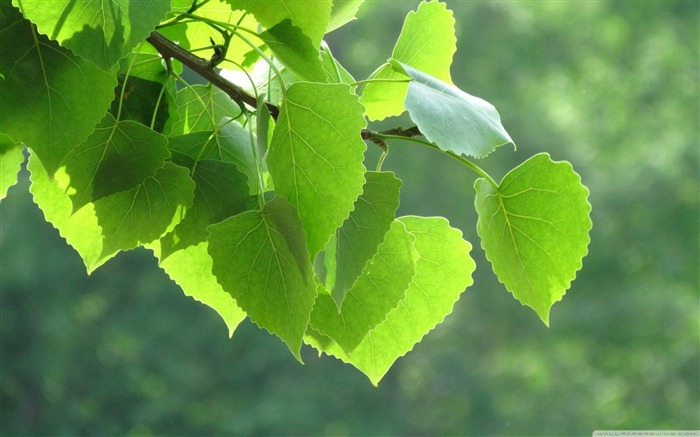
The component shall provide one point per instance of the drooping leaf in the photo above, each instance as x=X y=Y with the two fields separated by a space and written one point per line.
x=118 y=156
x=221 y=192
x=121 y=221
x=201 y=108
x=534 y=228
x=11 y=159
x=357 y=240
x=316 y=155
x=376 y=292
x=101 y=31
x=50 y=100
x=260 y=258
x=295 y=50
x=343 y=12
x=427 y=42
x=190 y=268
x=443 y=271
x=311 y=17
x=450 y=118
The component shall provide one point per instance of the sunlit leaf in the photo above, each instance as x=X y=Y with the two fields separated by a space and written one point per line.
x=311 y=17
x=117 y=222
x=316 y=156
x=190 y=268
x=102 y=31
x=117 y=157
x=201 y=108
x=356 y=241
x=534 y=228
x=295 y=51
x=343 y=12
x=11 y=159
x=50 y=100
x=427 y=43
x=443 y=271
x=260 y=258
x=377 y=291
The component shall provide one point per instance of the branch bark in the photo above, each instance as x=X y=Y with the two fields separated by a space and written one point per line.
x=203 y=67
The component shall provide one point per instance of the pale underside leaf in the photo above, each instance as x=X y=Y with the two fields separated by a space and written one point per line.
x=452 y=119
x=427 y=42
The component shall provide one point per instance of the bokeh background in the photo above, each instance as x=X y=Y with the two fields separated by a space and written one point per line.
x=611 y=86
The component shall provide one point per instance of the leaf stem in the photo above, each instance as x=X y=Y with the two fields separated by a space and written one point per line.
x=366 y=81
x=386 y=136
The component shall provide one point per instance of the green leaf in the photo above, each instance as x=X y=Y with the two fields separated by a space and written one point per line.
x=377 y=291
x=311 y=17
x=316 y=155
x=357 y=240
x=295 y=50
x=140 y=101
x=230 y=143
x=201 y=108
x=427 y=42
x=452 y=119
x=221 y=192
x=121 y=221
x=101 y=31
x=343 y=12
x=443 y=271
x=200 y=34
x=11 y=159
x=534 y=228
x=46 y=89
x=190 y=268
x=117 y=157
x=261 y=259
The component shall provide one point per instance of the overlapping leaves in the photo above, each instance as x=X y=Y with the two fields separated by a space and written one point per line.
x=278 y=219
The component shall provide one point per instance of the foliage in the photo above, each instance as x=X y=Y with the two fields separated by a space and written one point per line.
x=255 y=196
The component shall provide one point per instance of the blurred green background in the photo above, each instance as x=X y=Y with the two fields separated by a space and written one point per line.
x=610 y=86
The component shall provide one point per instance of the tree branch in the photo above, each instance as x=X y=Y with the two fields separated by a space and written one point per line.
x=203 y=67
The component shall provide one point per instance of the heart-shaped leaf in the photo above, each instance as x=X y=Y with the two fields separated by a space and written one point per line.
x=534 y=228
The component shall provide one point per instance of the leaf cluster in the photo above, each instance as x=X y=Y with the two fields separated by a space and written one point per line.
x=252 y=189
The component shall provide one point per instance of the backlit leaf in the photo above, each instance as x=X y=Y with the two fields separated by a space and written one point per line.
x=443 y=271
x=50 y=100
x=356 y=241
x=295 y=51
x=311 y=17
x=316 y=156
x=190 y=268
x=260 y=258
x=201 y=108
x=534 y=228
x=11 y=159
x=427 y=42
x=343 y=12
x=377 y=291
x=121 y=221
x=102 y=31
x=117 y=157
